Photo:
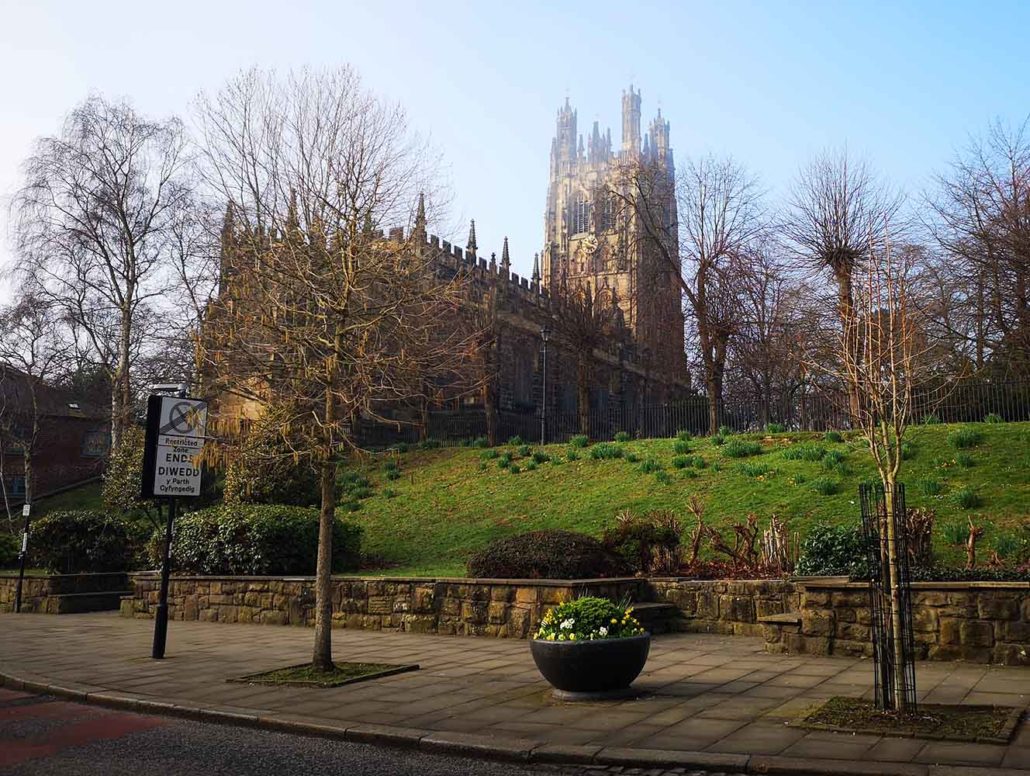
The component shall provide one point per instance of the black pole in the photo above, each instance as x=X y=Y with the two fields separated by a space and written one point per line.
x=161 y=616
x=22 y=556
x=543 y=395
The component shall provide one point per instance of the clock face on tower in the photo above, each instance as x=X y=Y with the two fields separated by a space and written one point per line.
x=590 y=245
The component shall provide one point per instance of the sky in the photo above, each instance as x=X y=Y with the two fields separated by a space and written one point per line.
x=903 y=84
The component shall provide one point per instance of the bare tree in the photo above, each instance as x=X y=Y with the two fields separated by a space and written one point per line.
x=703 y=242
x=482 y=317
x=321 y=319
x=96 y=228
x=980 y=220
x=768 y=348
x=883 y=377
x=34 y=352
x=836 y=219
x=585 y=318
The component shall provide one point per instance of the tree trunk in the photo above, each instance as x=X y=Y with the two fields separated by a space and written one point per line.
x=852 y=346
x=897 y=636
x=121 y=391
x=116 y=403
x=713 y=406
x=322 y=658
x=490 y=410
x=30 y=449
x=583 y=395
x=713 y=387
x=27 y=464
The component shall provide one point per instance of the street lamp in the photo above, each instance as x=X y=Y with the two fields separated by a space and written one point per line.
x=545 y=333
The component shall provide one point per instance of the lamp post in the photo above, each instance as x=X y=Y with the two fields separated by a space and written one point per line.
x=545 y=333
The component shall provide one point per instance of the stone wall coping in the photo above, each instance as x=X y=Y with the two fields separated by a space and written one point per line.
x=403 y=580
x=831 y=583
x=787 y=618
x=754 y=581
x=13 y=575
x=843 y=584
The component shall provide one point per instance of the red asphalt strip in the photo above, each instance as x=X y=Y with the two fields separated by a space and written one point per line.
x=99 y=726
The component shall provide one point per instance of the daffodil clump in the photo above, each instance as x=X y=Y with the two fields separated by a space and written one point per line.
x=588 y=619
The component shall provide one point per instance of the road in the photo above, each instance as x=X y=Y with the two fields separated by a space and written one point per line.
x=44 y=736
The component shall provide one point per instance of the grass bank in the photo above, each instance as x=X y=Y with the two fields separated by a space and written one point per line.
x=441 y=505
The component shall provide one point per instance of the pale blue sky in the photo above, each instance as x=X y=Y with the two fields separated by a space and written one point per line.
x=768 y=82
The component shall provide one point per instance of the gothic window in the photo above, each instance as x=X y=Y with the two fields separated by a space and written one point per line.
x=607 y=213
x=580 y=215
x=522 y=384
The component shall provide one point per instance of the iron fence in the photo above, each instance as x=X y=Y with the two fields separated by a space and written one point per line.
x=815 y=409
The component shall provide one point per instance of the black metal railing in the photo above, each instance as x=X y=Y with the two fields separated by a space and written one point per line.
x=818 y=408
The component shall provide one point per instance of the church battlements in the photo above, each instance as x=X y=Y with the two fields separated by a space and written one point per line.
x=527 y=290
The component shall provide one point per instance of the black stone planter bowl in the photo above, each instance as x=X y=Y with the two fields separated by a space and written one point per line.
x=591 y=669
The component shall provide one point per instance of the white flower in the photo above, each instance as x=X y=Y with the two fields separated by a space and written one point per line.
x=567 y=624
x=603 y=631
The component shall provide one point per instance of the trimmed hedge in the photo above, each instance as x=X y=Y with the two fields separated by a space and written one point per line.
x=257 y=539
x=79 y=541
x=547 y=555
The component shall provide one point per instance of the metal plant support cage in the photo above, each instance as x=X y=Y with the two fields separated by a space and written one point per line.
x=874 y=525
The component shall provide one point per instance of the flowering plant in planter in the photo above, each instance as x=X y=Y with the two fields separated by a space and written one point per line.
x=590 y=648
x=588 y=619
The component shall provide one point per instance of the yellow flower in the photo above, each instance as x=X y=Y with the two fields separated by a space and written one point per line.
x=572 y=637
x=614 y=621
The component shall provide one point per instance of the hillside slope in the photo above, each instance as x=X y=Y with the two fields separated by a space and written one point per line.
x=448 y=502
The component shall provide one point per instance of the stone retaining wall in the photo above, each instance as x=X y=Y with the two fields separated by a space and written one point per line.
x=727 y=606
x=982 y=622
x=475 y=607
x=985 y=622
x=47 y=593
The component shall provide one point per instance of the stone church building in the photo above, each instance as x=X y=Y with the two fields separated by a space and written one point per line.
x=589 y=244
x=591 y=237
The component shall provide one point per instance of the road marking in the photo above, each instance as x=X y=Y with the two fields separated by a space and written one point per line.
x=80 y=725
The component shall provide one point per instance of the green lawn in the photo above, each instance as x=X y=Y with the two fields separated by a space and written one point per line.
x=85 y=497
x=449 y=502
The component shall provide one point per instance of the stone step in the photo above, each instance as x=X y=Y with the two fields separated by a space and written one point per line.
x=787 y=618
x=74 y=603
x=658 y=618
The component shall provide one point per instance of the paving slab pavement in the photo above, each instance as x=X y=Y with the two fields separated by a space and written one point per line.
x=703 y=698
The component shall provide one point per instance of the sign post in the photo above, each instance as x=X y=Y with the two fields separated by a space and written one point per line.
x=171 y=470
x=26 y=510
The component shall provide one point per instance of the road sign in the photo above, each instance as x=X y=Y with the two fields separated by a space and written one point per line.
x=174 y=441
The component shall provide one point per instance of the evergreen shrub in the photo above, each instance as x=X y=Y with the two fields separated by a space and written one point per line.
x=258 y=539
x=832 y=550
x=80 y=541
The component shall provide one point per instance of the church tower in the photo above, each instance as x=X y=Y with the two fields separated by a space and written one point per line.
x=590 y=237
